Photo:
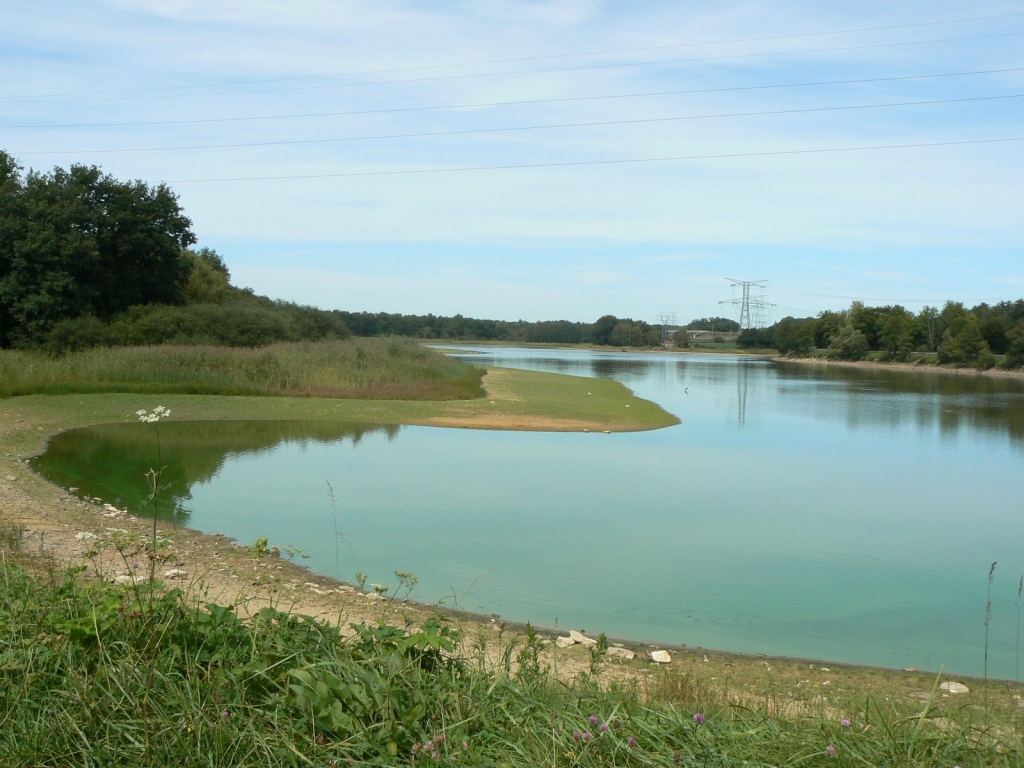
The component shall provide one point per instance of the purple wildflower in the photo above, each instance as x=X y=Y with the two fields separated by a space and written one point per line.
x=603 y=727
x=698 y=717
x=592 y=720
x=845 y=723
x=830 y=751
x=631 y=741
x=587 y=736
x=225 y=713
x=576 y=735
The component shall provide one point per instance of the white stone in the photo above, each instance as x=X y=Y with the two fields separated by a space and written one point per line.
x=620 y=653
x=175 y=573
x=564 y=642
x=954 y=687
x=661 y=657
x=579 y=637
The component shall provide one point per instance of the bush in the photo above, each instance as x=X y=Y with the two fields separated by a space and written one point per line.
x=79 y=334
x=236 y=323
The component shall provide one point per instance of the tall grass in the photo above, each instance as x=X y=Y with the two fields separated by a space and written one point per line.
x=94 y=676
x=360 y=368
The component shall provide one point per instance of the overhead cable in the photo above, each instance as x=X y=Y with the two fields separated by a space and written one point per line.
x=551 y=56
x=524 y=102
x=611 y=65
x=512 y=129
x=621 y=161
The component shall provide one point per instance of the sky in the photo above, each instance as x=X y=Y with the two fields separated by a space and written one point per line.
x=527 y=160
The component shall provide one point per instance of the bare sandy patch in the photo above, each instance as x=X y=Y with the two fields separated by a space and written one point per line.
x=510 y=421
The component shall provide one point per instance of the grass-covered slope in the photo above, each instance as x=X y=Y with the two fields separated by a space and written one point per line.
x=365 y=368
x=97 y=675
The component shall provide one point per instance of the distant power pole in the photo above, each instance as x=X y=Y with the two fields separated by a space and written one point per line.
x=665 y=319
x=753 y=308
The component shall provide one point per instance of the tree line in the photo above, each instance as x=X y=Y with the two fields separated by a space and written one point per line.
x=88 y=260
x=955 y=335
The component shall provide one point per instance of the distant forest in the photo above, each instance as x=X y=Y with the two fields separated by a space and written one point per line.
x=976 y=337
x=87 y=260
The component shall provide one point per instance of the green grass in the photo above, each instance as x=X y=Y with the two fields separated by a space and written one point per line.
x=365 y=369
x=97 y=675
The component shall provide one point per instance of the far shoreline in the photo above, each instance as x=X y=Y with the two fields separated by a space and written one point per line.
x=994 y=372
x=881 y=365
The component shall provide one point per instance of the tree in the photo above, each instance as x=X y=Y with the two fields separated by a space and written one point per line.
x=1015 y=345
x=896 y=338
x=826 y=327
x=208 y=277
x=601 y=331
x=993 y=330
x=962 y=343
x=794 y=336
x=79 y=242
x=849 y=343
x=928 y=317
x=723 y=324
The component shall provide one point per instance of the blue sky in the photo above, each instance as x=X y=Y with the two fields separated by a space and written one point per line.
x=912 y=225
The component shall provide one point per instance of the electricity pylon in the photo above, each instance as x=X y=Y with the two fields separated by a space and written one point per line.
x=753 y=307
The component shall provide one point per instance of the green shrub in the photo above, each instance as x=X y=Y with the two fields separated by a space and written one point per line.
x=849 y=344
x=83 y=332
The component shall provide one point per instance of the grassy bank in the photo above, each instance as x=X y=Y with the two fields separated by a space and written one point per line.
x=365 y=369
x=99 y=675
x=515 y=400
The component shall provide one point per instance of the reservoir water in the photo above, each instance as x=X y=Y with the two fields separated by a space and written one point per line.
x=831 y=513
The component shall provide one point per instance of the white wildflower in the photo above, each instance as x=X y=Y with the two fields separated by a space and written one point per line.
x=85 y=536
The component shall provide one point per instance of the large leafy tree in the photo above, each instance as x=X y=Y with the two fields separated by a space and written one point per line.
x=79 y=242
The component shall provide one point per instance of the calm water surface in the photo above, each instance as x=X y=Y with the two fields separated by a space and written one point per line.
x=841 y=514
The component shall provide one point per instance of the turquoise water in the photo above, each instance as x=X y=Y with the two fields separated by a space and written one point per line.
x=840 y=514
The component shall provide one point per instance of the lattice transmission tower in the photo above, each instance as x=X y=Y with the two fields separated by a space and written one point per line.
x=665 y=319
x=755 y=312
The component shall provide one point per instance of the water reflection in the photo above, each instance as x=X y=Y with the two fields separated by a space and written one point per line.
x=946 y=404
x=835 y=513
x=110 y=461
x=859 y=398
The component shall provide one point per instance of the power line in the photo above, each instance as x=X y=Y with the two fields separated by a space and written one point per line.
x=550 y=56
x=896 y=297
x=872 y=46
x=512 y=129
x=521 y=102
x=581 y=163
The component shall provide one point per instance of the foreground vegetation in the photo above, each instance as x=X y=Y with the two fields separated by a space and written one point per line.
x=366 y=368
x=101 y=675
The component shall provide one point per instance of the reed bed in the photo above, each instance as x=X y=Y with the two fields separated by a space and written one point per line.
x=387 y=369
x=101 y=675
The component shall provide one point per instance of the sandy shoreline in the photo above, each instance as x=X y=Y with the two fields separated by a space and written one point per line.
x=1000 y=373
